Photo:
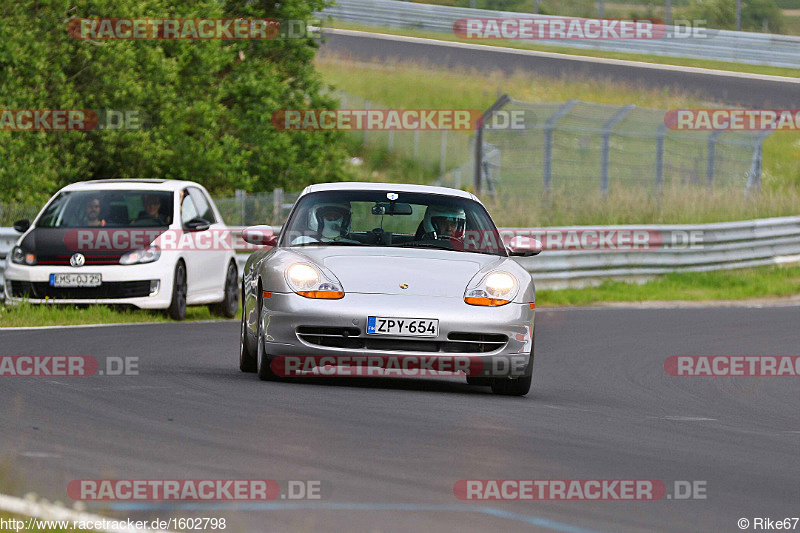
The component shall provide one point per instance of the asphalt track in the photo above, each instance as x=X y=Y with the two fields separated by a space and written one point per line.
x=390 y=450
x=733 y=88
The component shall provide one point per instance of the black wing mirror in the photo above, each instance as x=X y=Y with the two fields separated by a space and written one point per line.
x=22 y=225
x=198 y=224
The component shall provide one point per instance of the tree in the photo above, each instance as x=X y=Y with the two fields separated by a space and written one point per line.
x=208 y=102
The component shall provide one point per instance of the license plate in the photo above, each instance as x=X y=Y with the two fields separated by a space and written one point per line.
x=406 y=327
x=76 y=280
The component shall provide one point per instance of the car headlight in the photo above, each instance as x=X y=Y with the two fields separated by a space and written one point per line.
x=308 y=281
x=21 y=257
x=139 y=257
x=498 y=288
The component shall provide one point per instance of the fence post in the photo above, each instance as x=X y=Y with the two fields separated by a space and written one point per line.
x=549 y=126
x=503 y=100
x=443 y=153
x=277 y=204
x=390 y=141
x=240 y=196
x=457 y=178
x=416 y=145
x=607 y=127
x=711 y=156
x=754 y=176
x=662 y=130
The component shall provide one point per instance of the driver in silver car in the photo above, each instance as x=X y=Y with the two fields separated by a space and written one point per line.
x=329 y=222
x=444 y=222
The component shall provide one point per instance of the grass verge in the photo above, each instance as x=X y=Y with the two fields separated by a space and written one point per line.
x=526 y=45
x=27 y=315
x=743 y=284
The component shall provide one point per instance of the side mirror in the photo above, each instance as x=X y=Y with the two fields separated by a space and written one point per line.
x=521 y=246
x=198 y=224
x=260 y=236
x=22 y=225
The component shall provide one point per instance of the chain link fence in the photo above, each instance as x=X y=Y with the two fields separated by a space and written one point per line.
x=437 y=149
x=581 y=147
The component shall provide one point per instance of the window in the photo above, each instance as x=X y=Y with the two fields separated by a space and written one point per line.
x=202 y=204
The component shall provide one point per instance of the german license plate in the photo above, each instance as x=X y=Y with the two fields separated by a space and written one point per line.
x=76 y=280
x=406 y=327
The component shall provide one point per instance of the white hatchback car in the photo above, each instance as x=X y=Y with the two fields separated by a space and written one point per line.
x=151 y=244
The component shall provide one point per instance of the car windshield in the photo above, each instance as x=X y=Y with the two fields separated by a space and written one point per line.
x=392 y=220
x=103 y=208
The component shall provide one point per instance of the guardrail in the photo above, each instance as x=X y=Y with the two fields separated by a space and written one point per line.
x=719 y=45
x=677 y=248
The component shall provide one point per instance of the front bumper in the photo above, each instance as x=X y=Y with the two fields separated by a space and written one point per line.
x=298 y=326
x=118 y=282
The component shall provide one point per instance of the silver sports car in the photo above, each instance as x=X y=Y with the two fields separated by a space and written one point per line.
x=375 y=275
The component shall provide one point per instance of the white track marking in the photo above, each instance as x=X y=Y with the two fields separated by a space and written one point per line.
x=49 y=511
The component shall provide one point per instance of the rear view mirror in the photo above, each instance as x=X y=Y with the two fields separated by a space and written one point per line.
x=521 y=246
x=391 y=208
x=260 y=236
x=22 y=225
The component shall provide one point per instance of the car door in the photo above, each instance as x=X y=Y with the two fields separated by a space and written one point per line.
x=210 y=264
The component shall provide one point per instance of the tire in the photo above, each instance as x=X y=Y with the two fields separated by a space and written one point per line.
x=263 y=367
x=515 y=387
x=247 y=363
x=177 y=307
x=230 y=303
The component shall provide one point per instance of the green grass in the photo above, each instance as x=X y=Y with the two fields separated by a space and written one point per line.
x=27 y=315
x=761 y=282
x=527 y=45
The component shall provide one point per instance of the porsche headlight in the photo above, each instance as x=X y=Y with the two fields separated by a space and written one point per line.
x=308 y=281
x=21 y=257
x=498 y=288
x=138 y=257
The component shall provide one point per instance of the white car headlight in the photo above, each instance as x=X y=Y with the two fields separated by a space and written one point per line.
x=138 y=257
x=308 y=281
x=20 y=257
x=498 y=288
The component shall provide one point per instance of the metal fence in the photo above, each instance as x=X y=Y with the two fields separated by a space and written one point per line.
x=438 y=150
x=718 y=45
x=584 y=147
x=249 y=209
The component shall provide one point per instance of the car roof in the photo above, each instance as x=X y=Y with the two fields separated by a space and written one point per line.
x=130 y=184
x=388 y=187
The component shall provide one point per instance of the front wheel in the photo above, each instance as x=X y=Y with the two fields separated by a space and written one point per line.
x=230 y=303
x=515 y=387
x=177 y=307
x=247 y=363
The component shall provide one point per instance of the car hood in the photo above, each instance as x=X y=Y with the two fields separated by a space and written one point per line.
x=383 y=271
